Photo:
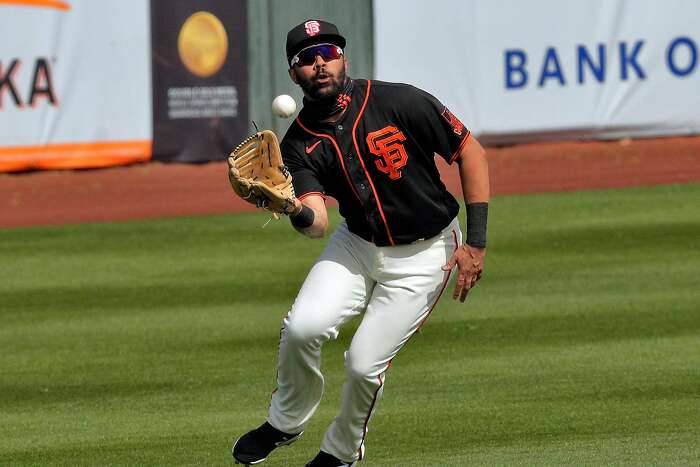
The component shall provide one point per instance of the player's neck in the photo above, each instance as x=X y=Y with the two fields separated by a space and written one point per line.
x=336 y=117
x=331 y=109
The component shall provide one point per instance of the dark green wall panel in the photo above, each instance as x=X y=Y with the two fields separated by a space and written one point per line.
x=268 y=24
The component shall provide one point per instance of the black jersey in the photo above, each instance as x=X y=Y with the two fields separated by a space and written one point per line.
x=378 y=161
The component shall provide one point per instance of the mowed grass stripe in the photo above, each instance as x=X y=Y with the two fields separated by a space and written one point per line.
x=154 y=342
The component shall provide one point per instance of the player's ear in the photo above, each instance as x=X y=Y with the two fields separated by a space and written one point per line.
x=293 y=75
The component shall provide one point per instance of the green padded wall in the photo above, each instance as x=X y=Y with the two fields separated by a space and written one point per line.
x=268 y=24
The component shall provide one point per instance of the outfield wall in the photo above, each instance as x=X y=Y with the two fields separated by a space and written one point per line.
x=86 y=83
x=550 y=69
x=74 y=83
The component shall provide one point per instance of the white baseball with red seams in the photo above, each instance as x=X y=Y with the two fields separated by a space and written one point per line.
x=284 y=106
x=396 y=295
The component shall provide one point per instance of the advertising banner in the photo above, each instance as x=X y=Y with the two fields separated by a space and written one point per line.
x=200 y=78
x=546 y=69
x=74 y=83
x=87 y=83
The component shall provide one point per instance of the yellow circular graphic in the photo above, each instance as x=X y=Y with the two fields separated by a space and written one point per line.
x=203 y=44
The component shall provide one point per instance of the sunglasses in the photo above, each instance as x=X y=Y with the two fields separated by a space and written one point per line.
x=307 y=56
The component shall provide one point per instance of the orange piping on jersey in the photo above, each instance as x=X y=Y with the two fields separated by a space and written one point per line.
x=459 y=149
x=359 y=156
x=337 y=149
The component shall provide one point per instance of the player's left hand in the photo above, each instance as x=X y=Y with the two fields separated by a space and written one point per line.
x=258 y=175
x=470 y=263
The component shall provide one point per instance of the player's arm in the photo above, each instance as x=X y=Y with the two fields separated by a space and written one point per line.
x=474 y=172
x=310 y=216
x=474 y=176
x=445 y=135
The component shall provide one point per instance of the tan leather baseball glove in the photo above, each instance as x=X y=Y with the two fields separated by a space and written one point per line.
x=258 y=175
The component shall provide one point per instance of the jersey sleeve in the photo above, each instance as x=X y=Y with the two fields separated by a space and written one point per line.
x=304 y=179
x=435 y=124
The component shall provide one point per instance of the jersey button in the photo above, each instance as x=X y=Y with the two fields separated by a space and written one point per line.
x=340 y=127
x=362 y=186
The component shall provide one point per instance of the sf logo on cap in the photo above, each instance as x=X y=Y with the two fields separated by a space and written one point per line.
x=312 y=28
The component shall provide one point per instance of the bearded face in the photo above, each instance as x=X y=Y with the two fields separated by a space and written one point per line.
x=321 y=80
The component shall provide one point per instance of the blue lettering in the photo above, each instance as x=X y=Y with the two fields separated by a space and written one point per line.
x=670 y=54
x=551 y=61
x=630 y=60
x=584 y=58
x=516 y=75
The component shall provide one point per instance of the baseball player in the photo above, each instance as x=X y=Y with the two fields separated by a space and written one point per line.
x=371 y=146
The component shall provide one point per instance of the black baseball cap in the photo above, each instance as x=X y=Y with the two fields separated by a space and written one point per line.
x=312 y=31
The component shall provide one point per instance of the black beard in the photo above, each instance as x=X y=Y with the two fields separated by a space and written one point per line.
x=322 y=109
x=314 y=92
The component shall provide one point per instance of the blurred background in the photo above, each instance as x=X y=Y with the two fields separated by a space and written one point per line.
x=87 y=84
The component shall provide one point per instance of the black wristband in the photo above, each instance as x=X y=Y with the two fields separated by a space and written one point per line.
x=477 y=216
x=304 y=219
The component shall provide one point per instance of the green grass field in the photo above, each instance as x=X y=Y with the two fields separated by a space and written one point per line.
x=154 y=343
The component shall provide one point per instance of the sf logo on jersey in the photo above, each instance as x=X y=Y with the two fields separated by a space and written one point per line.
x=387 y=145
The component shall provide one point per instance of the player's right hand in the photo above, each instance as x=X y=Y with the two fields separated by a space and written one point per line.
x=470 y=263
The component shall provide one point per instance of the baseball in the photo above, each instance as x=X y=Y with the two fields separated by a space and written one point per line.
x=284 y=106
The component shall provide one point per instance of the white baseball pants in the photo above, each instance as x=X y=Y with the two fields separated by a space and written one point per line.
x=397 y=288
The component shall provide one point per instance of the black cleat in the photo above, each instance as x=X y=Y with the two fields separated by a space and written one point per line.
x=323 y=459
x=254 y=447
